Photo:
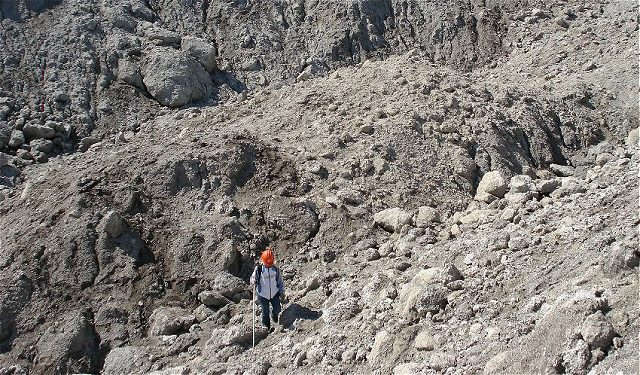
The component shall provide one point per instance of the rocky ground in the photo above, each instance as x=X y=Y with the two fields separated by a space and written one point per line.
x=449 y=188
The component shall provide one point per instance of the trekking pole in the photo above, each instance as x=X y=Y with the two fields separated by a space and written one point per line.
x=253 y=318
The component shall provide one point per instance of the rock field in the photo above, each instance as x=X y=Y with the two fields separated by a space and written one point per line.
x=450 y=187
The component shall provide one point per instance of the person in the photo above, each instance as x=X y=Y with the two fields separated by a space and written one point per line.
x=267 y=280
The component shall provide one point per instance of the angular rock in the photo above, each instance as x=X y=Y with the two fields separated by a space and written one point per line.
x=129 y=72
x=113 y=224
x=494 y=184
x=548 y=186
x=204 y=52
x=87 y=142
x=17 y=139
x=522 y=184
x=424 y=341
x=71 y=348
x=632 y=138
x=392 y=219
x=170 y=321
x=427 y=216
x=174 y=79
x=212 y=299
x=127 y=360
x=35 y=131
x=597 y=331
x=562 y=170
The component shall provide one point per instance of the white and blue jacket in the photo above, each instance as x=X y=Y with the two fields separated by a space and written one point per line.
x=270 y=281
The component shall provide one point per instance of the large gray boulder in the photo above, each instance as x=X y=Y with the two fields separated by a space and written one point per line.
x=201 y=50
x=170 y=321
x=70 y=347
x=392 y=219
x=35 y=131
x=173 y=78
x=493 y=185
x=127 y=360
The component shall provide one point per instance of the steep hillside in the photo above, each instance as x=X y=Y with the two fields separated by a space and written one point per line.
x=449 y=188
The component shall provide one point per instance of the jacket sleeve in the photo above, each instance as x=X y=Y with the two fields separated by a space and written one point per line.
x=279 y=282
x=252 y=279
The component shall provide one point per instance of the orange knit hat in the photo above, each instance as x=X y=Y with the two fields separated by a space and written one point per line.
x=267 y=257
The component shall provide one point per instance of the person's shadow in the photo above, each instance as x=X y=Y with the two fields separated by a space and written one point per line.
x=294 y=311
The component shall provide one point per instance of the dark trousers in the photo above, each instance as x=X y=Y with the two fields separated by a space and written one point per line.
x=275 y=302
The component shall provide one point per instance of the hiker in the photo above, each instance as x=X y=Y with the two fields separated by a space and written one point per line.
x=270 y=287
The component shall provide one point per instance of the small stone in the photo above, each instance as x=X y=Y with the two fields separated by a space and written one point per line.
x=603 y=158
x=424 y=341
x=632 y=138
x=372 y=254
x=367 y=129
x=562 y=170
x=401 y=81
x=562 y=22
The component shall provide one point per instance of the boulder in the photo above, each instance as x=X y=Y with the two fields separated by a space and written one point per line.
x=212 y=299
x=427 y=216
x=622 y=256
x=127 y=360
x=113 y=224
x=241 y=334
x=597 y=331
x=71 y=347
x=129 y=72
x=5 y=159
x=35 y=131
x=202 y=313
x=570 y=186
x=17 y=139
x=173 y=78
x=492 y=184
x=548 y=186
x=229 y=286
x=522 y=184
x=170 y=321
x=200 y=50
x=382 y=346
x=41 y=145
x=392 y=219
x=342 y=311
x=426 y=292
x=87 y=142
